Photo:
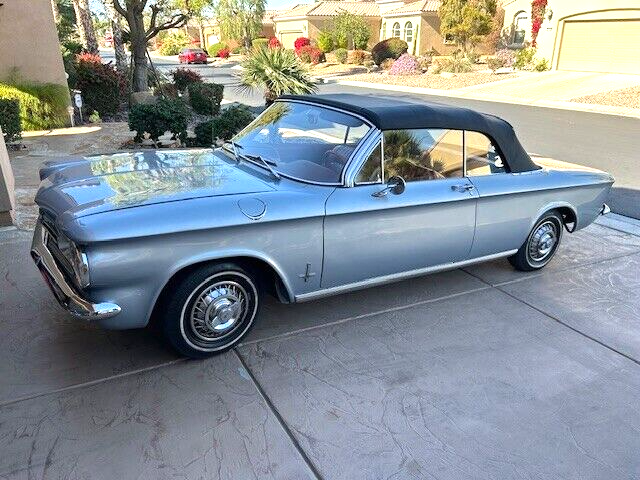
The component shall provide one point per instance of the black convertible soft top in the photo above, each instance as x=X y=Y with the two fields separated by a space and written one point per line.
x=391 y=113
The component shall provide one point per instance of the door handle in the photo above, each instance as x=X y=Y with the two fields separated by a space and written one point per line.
x=462 y=188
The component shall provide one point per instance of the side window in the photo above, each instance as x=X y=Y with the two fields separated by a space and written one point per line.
x=483 y=157
x=371 y=171
x=429 y=154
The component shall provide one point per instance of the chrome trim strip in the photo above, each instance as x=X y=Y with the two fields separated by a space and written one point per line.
x=61 y=289
x=396 y=277
x=605 y=209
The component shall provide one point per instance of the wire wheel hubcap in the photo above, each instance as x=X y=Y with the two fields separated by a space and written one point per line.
x=543 y=240
x=218 y=310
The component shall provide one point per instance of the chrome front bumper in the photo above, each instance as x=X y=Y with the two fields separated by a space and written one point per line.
x=64 y=292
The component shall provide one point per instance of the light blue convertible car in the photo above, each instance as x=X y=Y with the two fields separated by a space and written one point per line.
x=320 y=195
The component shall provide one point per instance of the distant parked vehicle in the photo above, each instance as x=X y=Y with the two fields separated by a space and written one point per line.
x=320 y=195
x=192 y=55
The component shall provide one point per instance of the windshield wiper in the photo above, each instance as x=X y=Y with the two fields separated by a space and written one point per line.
x=265 y=162
x=235 y=147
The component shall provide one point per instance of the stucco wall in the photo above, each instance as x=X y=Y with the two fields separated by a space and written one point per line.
x=549 y=36
x=426 y=37
x=29 y=41
x=7 y=199
x=318 y=24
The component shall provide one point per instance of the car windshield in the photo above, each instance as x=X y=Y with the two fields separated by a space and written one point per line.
x=302 y=141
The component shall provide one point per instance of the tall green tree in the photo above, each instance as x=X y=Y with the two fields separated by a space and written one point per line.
x=467 y=22
x=199 y=11
x=350 y=30
x=240 y=19
x=162 y=15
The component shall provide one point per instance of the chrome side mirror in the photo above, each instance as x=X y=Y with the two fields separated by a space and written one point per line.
x=395 y=185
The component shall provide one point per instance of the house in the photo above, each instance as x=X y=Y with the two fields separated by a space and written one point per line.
x=581 y=35
x=415 y=22
x=211 y=29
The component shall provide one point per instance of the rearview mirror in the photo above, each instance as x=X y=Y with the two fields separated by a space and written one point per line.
x=395 y=185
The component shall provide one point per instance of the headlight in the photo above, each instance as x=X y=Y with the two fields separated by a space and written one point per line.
x=76 y=259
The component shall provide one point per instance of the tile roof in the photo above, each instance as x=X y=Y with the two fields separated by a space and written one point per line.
x=416 y=7
x=332 y=8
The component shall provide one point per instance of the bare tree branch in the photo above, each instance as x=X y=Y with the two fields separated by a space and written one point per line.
x=176 y=21
x=119 y=8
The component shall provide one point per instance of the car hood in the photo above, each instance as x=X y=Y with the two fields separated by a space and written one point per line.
x=124 y=180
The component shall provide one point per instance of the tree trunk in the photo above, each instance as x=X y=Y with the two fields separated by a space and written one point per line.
x=85 y=25
x=118 y=46
x=139 y=52
x=56 y=11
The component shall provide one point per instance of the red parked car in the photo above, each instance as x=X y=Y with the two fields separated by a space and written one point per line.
x=192 y=55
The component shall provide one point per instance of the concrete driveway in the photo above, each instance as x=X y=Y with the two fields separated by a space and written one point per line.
x=483 y=373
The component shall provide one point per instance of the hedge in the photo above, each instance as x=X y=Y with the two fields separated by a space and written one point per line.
x=166 y=115
x=205 y=98
x=42 y=106
x=10 y=119
x=230 y=121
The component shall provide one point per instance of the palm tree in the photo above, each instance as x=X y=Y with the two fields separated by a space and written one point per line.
x=85 y=25
x=276 y=71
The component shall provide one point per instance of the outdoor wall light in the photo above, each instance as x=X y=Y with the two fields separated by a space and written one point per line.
x=549 y=14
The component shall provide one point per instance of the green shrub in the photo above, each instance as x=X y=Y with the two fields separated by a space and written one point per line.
x=236 y=50
x=260 y=42
x=174 y=42
x=494 y=63
x=325 y=41
x=10 y=119
x=389 y=48
x=215 y=48
x=230 y=121
x=205 y=98
x=183 y=77
x=341 y=55
x=166 y=115
x=103 y=87
x=524 y=58
x=72 y=46
x=42 y=106
x=542 y=65
x=455 y=64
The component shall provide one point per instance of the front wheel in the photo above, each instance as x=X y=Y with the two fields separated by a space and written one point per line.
x=541 y=244
x=210 y=310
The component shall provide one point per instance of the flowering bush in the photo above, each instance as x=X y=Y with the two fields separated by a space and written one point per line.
x=301 y=42
x=103 y=87
x=215 y=48
x=405 y=65
x=310 y=54
x=358 y=57
x=183 y=77
x=274 y=43
x=538 y=8
x=506 y=56
x=224 y=53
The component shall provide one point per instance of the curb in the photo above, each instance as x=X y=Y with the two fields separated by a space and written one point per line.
x=560 y=105
x=620 y=223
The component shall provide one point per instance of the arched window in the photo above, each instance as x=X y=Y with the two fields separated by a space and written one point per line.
x=408 y=32
x=521 y=25
x=395 y=30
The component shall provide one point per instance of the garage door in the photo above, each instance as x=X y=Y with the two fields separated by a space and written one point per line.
x=287 y=38
x=601 y=46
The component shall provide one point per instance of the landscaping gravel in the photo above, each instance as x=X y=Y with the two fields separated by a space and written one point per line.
x=626 y=97
x=431 y=80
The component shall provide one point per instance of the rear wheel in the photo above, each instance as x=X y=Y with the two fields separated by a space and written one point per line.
x=210 y=310
x=541 y=244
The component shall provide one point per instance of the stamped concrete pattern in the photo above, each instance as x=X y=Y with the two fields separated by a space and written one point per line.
x=482 y=373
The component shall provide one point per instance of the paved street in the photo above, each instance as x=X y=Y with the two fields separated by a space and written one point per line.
x=482 y=373
x=607 y=142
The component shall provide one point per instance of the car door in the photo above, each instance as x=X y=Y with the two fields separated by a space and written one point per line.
x=371 y=232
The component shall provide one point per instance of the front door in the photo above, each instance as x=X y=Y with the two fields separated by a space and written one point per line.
x=431 y=223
